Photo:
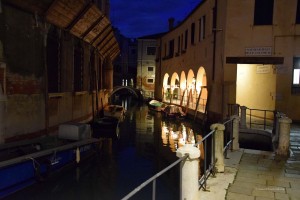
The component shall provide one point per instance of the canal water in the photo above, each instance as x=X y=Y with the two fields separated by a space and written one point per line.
x=147 y=144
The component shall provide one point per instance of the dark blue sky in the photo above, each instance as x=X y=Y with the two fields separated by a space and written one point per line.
x=137 y=18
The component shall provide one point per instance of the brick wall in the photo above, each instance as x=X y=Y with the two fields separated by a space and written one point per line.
x=18 y=84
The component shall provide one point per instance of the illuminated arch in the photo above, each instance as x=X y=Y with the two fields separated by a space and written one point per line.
x=190 y=79
x=166 y=86
x=166 y=80
x=174 y=81
x=201 y=79
x=201 y=87
x=182 y=81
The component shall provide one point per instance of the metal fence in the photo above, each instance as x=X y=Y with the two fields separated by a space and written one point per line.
x=209 y=160
x=255 y=118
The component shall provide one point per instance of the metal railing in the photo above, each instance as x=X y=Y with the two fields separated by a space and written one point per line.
x=260 y=119
x=255 y=118
x=209 y=169
x=209 y=161
x=178 y=99
x=153 y=180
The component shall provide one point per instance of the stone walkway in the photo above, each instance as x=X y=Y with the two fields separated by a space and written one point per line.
x=258 y=175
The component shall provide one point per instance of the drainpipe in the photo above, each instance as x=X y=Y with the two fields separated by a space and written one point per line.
x=215 y=37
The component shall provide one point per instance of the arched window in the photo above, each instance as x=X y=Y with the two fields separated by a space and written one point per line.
x=78 y=66
x=92 y=71
x=53 y=61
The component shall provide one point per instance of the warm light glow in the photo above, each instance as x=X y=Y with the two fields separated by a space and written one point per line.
x=296 y=78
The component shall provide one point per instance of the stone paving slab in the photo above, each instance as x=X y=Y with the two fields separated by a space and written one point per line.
x=268 y=182
x=257 y=175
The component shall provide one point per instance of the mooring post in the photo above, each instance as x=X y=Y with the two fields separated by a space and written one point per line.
x=235 y=132
x=189 y=171
x=284 y=136
x=219 y=145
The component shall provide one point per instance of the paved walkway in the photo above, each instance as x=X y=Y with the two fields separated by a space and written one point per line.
x=258 y=175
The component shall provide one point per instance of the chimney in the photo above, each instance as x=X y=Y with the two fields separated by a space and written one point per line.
x=171 y=23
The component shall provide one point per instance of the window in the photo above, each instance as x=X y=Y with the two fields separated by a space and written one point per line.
x=171 y=48
x=178 y=44
x=150 y=80
x=186 y=39
x=296 y=76
x=202 y=28
x=296 y=72
x=298 y=13
x=78 y=67
x=181 y=42
x=193 y=33
x=151 y=50
x=150 y=69
x=53 y=64
x=92 y=71
x=263 y=12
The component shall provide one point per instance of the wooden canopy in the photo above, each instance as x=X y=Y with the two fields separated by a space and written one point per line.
x=81 y=18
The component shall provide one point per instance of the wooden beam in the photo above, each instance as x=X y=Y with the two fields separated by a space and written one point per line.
x=92 y=27
x=79 y=16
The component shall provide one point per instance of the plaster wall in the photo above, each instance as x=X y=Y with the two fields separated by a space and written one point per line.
x=256 y=86
x=282 y=37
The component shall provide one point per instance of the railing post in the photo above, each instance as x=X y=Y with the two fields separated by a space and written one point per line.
x=189 y=171
x=236 y=109
x=284 y=136
x=235 y=132
x=243 y=116
x=219 y=145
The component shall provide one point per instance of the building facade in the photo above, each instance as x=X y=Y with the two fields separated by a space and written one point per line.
x=233 y=52
x=146 y=64
x=125 y=65
x=56 y=65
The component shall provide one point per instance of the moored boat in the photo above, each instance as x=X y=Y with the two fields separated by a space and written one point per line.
x=26 y=162
x=105 y=127
x=173 y=111
x=115 y=111
x=156 y=105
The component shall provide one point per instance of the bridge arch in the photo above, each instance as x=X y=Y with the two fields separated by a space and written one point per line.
x=133 y=91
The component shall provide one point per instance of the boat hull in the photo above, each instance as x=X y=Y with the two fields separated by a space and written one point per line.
x=20 y=172
x=105 y=127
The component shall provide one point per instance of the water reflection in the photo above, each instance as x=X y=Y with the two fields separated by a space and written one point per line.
x=147 y=144
x=176 y=135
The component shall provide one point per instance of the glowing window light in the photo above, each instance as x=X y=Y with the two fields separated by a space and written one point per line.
x=296 y=78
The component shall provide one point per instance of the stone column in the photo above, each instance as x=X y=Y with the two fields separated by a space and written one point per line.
x=235 y=132
x=189 y=171
x=243 y=116
x=284 y=136
x=219 y=145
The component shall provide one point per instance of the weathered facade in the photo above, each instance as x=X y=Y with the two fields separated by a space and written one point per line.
x=55 y=65
x=233 y=51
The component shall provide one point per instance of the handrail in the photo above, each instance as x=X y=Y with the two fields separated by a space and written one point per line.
x=255 y=118
x=153 y=178
x=211 y=168
x=204 y=177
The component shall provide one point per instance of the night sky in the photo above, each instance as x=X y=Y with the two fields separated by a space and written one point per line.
x=136 y=18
